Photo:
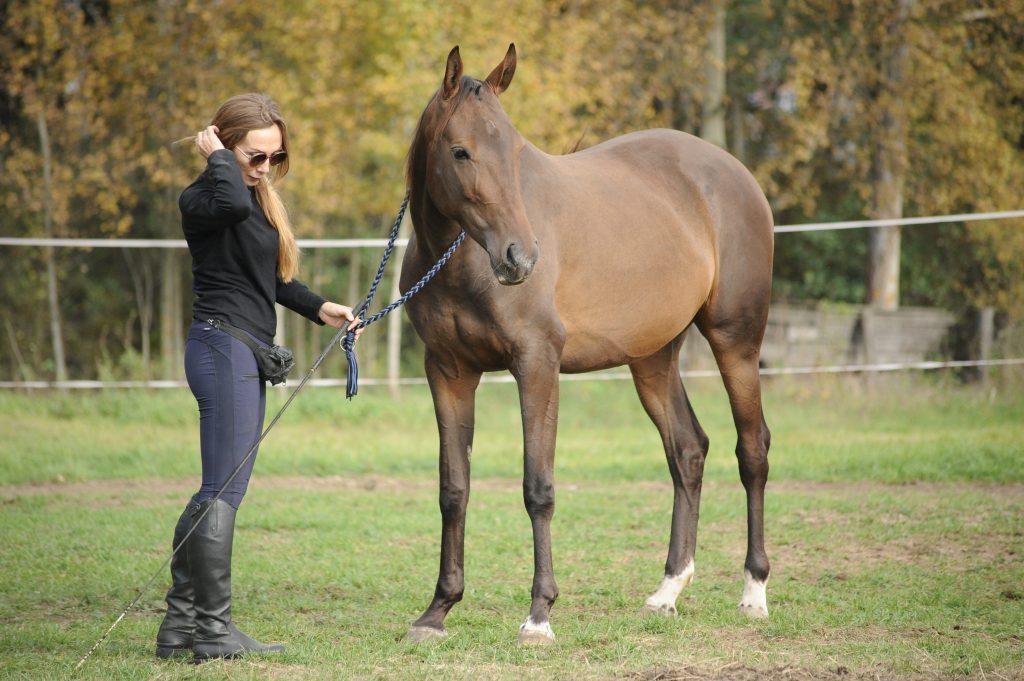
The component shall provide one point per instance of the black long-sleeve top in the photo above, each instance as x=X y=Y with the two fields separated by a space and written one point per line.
x=234 y=253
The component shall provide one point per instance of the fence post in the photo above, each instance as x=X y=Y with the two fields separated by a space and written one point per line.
x=986 y=331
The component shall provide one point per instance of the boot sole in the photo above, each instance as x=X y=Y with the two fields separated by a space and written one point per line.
x=199 y=658
x=168 y=653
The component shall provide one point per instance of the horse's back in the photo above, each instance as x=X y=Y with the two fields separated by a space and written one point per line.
x=675 y=158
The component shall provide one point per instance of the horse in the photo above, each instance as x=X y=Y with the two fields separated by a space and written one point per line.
x=599 y=258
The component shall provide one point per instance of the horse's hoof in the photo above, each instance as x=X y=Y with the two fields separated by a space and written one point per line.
x=424 y=634
x=663 y=601
x=532 y=634
x=754 y=601
x=535 y=638
x=754 y=612
x=664 y=610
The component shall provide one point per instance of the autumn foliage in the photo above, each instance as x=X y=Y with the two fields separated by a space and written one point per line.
x=93 y=95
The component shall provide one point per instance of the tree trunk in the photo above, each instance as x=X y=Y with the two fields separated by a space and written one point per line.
x=53 y=296
x=142 y=282
x=712 y=126
x=317 y=280
x=889 y=163
x=171 y=322
x=737 y=132
x=172 y=313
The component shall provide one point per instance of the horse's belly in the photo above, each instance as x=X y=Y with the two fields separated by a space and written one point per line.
x=623 y=318
x=627 y=288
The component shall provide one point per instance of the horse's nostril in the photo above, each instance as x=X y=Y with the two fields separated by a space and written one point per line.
x=510 y=254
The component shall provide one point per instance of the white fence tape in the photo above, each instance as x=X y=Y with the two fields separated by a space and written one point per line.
x=610 y=376
x=380 y=243
x=505 y=378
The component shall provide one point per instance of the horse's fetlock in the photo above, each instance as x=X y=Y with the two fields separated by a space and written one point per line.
x=758 y=567
x=450 y=590
x=547 y=593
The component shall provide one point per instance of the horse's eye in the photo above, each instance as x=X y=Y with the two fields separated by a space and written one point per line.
x=460 y=154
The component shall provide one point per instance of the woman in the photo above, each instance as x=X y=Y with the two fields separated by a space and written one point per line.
x=244 y=260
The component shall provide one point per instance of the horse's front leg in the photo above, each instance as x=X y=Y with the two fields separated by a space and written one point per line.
x=537 y=376
x=453 y=390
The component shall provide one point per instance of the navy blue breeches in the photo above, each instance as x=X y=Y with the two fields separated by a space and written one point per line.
x=224 y=379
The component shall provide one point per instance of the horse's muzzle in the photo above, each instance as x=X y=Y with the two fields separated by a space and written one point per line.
x=517 y=265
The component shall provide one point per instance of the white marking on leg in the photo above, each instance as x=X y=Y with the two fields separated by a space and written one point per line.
x=664 y=599
x=755 y=597
x=530 y=630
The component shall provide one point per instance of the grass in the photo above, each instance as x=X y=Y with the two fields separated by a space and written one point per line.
x=894 y=524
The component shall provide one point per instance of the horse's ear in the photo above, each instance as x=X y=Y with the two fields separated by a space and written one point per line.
x=502 y=74
x=452 y=74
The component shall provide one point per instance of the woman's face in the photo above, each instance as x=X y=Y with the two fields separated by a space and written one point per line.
x=266 y=141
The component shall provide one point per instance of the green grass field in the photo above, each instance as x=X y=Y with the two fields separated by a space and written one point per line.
x=895 y=525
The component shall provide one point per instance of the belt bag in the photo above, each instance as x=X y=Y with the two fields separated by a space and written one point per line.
x=274 y=362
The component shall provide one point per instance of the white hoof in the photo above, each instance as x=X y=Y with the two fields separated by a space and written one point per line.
x=662 y=610
x=532 y=634
x=424 y=634
x=663 y=601
x=754 y=612
x=754 y=603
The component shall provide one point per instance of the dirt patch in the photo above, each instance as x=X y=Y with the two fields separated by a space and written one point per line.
x=738 y=672
x=162 y=486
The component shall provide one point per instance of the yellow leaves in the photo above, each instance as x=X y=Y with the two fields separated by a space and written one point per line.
x=352 y=77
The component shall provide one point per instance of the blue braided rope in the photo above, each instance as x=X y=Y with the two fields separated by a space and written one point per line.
x=349 y=339
x=365 y=305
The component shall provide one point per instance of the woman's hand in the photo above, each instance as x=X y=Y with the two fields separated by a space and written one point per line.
x=207 y=141
x=335 y=315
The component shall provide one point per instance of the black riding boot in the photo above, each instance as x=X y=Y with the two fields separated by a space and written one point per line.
x=209 y=557
x=175 y=634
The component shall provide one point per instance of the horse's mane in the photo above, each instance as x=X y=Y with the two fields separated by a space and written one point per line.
x=419 y=139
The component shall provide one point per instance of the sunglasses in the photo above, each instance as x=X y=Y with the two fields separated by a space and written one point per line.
x=259 y=158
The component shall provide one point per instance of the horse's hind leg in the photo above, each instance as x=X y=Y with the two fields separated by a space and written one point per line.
x=686 y=446
x=736 y=344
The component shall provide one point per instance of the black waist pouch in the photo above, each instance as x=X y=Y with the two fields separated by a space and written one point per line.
x=274 y=362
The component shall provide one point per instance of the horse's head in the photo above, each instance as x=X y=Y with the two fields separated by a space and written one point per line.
x=466 y=154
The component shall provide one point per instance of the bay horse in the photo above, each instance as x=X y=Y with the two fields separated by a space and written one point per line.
x=596 y=259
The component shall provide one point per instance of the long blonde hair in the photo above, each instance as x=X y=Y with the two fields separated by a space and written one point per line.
x=234 y=119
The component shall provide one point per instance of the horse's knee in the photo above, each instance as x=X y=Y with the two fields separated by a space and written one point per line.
x=539 y=497
x=453 y=500
x=690 y=463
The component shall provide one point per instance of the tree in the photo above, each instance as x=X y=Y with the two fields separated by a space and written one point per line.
x=889 y=150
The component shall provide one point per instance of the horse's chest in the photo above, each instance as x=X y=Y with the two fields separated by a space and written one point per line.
x=452 y=324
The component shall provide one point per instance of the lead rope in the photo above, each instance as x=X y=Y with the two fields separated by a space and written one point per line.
x=347 y=343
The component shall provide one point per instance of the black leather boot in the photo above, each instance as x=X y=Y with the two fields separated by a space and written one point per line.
x=175 y=635
x=209 y=558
